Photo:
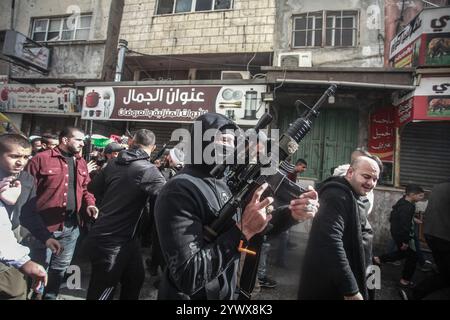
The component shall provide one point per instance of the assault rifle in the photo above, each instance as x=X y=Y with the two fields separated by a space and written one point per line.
x=159 y=154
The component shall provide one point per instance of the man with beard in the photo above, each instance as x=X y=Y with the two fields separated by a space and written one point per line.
x=61 y=177
x=173 y=162
x=339 y=246
x=190 y=201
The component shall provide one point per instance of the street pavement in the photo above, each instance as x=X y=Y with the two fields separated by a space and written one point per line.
x=287 y=277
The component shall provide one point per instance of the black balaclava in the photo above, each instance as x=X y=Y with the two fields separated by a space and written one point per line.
x=208 y=121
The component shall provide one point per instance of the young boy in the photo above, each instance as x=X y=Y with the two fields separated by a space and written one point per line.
x=402 y=231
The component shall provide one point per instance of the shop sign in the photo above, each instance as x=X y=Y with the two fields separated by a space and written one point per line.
x=429 y=102
x=404 y=112
x=240 y=103
x=382 y=134
x=39 y=99
x=425 y=41
x=432 y=99
x=18 y=47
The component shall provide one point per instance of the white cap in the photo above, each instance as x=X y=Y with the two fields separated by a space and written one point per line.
x=33 y=137
x=177 y=156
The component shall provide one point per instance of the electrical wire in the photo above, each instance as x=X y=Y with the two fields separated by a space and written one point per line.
x=279 y=86
x=248 y=64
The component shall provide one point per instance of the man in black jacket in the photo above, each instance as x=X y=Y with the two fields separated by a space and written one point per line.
x=402 y=231
x=437 y=234
x=125 y=185
x=339 y=245
x=197 y=269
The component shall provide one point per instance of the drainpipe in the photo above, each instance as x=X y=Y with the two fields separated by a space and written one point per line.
x=123 y=48
x=13 y=9
x=396 y=172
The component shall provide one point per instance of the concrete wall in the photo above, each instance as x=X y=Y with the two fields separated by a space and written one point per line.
x=5 y=14
x=248 y=27
x=369 y=49
x=92 y=59
x=384 y=199
x=5 y=23
x=28 y=9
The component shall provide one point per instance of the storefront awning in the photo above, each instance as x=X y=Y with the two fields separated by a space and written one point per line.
x=374 y=78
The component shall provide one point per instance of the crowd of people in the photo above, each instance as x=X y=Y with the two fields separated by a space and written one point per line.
x=49 y=192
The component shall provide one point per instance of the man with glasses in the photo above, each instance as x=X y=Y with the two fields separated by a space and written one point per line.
x=61 y=177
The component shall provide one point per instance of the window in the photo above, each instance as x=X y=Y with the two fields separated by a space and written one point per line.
x=62 y=29
x=341 y=29
x=179 y=6
x=308 y=30
x=325 y=28
x=183 y=6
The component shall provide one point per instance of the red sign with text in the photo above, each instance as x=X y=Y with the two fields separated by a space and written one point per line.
x=382 y=134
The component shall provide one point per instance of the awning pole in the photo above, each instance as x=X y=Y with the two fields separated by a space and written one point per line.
x=397 y=158
x=349 y=84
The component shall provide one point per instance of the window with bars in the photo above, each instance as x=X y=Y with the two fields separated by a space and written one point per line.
x=62 y=28
x=325 y=28
x=180 y=6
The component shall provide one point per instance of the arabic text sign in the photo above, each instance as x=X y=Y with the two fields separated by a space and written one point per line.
x=382 y=134
x=240 y=103
x=179 y=104
x=40 y=99
x=433 y=86
x=428 y=21
x=404 y=112
x=432 y=99
x=164 y=103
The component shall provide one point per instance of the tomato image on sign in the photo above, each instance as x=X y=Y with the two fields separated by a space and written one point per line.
x=92 y=99
x=4 y=94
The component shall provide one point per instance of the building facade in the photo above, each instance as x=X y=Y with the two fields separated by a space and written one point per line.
x=79 y=40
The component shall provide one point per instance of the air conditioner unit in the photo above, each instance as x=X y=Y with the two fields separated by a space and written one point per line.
x=235 y=75
x=295 y=59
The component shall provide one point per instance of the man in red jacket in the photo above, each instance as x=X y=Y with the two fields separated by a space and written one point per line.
x=61 y=177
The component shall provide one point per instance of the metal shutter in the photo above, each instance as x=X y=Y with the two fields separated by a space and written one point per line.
x=425 y=153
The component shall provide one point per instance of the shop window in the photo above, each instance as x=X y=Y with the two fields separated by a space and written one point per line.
x=325 y=28
x=180 y=6
x=62 y=28
x=387 y=176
